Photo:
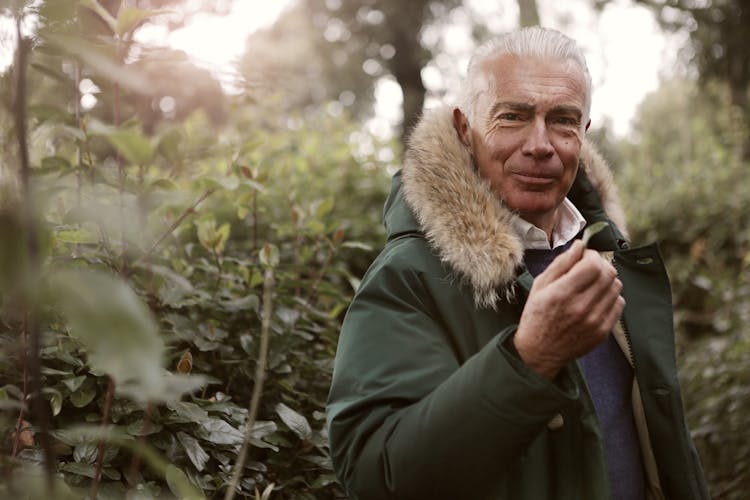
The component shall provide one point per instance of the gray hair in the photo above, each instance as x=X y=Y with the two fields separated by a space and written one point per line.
x=529 y=42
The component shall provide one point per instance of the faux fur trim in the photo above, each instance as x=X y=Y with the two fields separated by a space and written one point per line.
x=469 y=227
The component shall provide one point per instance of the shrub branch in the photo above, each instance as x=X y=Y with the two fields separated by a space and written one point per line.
x=260 y=374
x=39 y=406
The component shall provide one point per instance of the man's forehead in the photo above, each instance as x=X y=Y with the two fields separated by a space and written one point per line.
x=509 y=74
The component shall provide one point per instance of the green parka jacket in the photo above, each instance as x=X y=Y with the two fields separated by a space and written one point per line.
x=428 y=402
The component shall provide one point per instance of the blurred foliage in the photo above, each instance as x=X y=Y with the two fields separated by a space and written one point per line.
x=685 y=184
x=156 y=229
x=338 y=51
x=718 y=41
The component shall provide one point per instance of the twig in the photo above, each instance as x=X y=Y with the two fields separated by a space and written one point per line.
x=39 y=406
x=255 y=220
x=260 y=375
x=19 y=422
x=334 y=246
x=135 y=463
x=175 y=224
x=102 y=444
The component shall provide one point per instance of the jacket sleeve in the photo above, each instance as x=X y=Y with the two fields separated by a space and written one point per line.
x=406 y=420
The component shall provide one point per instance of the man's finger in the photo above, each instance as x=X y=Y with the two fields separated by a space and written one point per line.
x=563 y=263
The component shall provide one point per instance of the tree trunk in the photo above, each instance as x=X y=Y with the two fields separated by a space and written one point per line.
x=407 y=68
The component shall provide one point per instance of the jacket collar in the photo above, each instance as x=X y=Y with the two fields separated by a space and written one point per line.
x=441 y=195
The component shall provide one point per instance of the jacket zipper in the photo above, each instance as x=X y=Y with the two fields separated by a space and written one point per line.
x=656 y=494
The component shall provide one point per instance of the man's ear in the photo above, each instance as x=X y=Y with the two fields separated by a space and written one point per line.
x=461 y=124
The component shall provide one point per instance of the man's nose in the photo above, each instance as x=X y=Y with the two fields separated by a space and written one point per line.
x=537 y=143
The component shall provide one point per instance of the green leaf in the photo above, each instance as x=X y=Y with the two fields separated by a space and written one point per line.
x=179 y=484
x=218 y=431
x=194 y=451
x=190 y=412
x=223 y=236
x=210 y=237
x=79 y=468
x=74 y=383
x=139 y=428
x=230 y=182
x=246 y=303
x=82 y=397
x=324 y=207
x=85 y=452
x=170 y=145
x=80 y=236
x=358 y=245
x=167 y=184
x=591 y=231
x=133 y=145
x=296 y=422
x=246 y=342
x=100 y=61
x=56 y=399
x=56 y=163
x=116 y=328
x=266 y=492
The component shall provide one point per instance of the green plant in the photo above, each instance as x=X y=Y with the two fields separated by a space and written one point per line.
x=148 y=290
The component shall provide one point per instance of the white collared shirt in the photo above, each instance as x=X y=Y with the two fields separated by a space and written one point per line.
x=570 y=222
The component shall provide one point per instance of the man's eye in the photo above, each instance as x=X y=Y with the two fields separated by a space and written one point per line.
x=566 y=120
x=510 y=116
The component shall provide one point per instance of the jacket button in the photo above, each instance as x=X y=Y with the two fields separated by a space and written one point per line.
x=556 y=423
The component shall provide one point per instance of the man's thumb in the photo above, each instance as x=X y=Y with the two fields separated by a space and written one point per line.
x=564 y=262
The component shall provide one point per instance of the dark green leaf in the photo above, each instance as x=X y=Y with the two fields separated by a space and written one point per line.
x=591 y=230
x=296 y=422
x=82 y=397
x=194 y=451
x=191 y=412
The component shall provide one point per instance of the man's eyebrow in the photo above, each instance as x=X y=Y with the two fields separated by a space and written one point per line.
x=513 y=106
x=530 y=108
x=567 y=110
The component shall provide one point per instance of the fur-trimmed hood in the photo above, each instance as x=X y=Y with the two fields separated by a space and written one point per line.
x=469 y=227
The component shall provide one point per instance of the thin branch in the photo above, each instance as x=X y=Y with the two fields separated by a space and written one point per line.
x=175 y=224
x=260 y=375
x=135 y=463
x=39 y=406
x=19 y=422
x=102 y=444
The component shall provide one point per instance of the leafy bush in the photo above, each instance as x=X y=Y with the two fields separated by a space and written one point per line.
x=685 y=183
x=176 y=248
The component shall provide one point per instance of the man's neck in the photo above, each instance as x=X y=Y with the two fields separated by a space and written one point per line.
x=546 y=222
x=555 y=229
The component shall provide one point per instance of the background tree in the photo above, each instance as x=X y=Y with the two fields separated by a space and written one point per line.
x=684 y=183
x=718 y=43
x=343 y=48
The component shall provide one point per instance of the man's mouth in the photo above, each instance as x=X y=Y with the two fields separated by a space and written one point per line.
x=535 y=179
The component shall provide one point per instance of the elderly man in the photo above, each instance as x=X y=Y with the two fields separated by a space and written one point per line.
x=488 y=354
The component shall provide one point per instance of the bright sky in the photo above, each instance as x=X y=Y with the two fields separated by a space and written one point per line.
x=624 y=47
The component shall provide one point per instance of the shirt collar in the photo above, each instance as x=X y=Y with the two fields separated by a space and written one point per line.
x=569 y=224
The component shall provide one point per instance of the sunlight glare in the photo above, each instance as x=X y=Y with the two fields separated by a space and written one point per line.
x=220 y=40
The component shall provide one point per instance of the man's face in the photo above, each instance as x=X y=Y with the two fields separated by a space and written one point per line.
x=527 y=133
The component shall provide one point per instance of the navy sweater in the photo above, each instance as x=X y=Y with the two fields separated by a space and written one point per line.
x=609 y=378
